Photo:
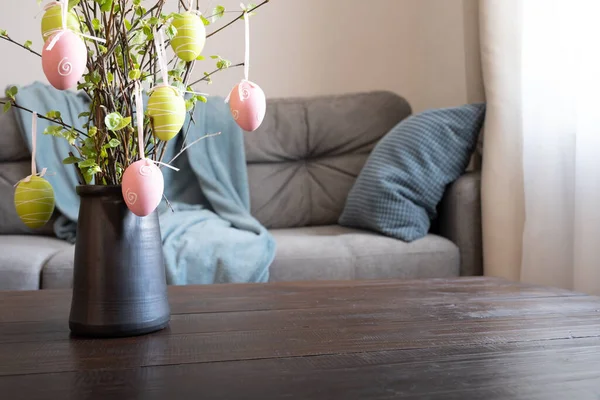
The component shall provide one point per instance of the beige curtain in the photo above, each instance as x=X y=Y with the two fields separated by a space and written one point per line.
x=541 y=157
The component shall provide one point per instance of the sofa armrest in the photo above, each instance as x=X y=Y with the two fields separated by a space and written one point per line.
x=459 y=220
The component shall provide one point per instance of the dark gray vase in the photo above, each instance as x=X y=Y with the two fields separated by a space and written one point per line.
x=119 y=285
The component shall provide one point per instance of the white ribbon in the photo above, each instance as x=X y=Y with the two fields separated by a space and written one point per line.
x=198 y=93
x=64 y=4
x=159 y=41
x=139 y=105
x=33 y=151
x=65 y=11
x=139 y=110
x=247 y=57
x=246 y=61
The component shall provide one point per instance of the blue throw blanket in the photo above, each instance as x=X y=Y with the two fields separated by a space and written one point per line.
x=211 y=237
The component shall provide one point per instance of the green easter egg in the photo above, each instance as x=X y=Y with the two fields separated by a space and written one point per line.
x=52 y=21
x=190 y=38
x=166 y=107
x=34 y=201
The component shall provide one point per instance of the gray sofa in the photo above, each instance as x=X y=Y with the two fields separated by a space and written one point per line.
x=301 y=165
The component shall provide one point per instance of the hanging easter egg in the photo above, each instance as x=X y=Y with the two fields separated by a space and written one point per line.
x=52 y=21
x=143 y=186
x=166 y=107
x=65 y=62
x=34 y=202
x=189 y=41
x=248 y=105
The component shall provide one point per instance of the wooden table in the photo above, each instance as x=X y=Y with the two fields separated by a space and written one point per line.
x=469 y=338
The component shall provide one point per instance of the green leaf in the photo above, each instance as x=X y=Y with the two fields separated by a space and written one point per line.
x=110 y=77
x=87 y=163
x=250 y=6
x=171 y=32
x=223 y=63
x=202 y=99
x=7 y=106
x=96 y=24
x=85 y=85
x=114 y=143
x=3 y=32
x=92 y=131
x=11 y=92
x=96 y=78
x=72 y=160
x=28 y=44
x=53 y=130
x=89 y=173
x=153 y=21
x=124 y=122
x=189 y=104
x=135 y=74
x=218 y=12
x=113 y=120
x=83 y=115
x=106 y=5
x=53 y=114
x=127 y=24
x=204 y=20
x=72 y=136
x=200 y=57
x=147 y=31
x=73 y=3
x=215 y=57
x=137 y=2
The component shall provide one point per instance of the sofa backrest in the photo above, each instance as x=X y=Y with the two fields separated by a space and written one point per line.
x=302 y=161
x=305 y=157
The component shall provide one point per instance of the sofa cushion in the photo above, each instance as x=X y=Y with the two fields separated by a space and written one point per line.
x=10 y=224
x=404 y=179
x=12 y=145
x=338 y=253
x=58 y=270
x=304 y=158
x=22 y=259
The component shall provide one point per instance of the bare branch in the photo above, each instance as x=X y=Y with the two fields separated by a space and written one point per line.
x=236 y=19
x=8 y=39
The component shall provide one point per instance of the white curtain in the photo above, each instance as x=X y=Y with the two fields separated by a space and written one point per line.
x=541 y=159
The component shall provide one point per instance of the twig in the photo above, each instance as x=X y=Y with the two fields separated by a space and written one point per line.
x=214 y=72
x=168 y=203
x=236 y=19
x=191 y=144
x=46 y=118
x=78 y=171
x=7 y=38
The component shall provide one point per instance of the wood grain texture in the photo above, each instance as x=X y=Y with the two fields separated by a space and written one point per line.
x=440 y=339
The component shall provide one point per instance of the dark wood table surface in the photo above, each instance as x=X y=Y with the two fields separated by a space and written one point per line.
x=468 y=338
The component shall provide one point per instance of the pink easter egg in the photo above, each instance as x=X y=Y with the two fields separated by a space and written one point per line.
x=248 y=105
x=65 y=63
x=143 y=186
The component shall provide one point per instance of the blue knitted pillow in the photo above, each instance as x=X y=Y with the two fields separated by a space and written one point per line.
x=404 y=178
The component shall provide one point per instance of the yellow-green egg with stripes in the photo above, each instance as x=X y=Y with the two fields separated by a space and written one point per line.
x=34 y=201
x=166 y=108
x=190 y=39
x=52 y=21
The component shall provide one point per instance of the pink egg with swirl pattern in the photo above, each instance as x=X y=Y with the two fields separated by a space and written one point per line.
x=65 y=63
x=248 y=105
x=143 y=186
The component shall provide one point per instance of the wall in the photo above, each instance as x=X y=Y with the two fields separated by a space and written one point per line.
x=426 y=50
